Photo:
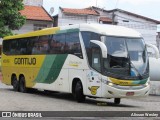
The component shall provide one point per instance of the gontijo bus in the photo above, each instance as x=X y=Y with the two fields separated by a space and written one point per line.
x=94 y=60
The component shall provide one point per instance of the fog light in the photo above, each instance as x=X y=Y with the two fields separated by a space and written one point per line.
x=110 y=92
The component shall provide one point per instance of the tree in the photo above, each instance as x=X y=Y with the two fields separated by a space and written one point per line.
x=10 y=17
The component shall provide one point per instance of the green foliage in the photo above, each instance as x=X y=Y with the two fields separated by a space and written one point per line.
x=10 y=17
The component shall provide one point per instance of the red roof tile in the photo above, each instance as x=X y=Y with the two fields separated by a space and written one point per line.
x=35 y=13
x=105 y=19
x=79 y=11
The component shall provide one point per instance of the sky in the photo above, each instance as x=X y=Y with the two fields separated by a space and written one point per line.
x=148 y=8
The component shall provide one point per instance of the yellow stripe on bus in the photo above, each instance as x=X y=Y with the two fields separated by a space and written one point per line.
x=46 y=31
x=121 y=82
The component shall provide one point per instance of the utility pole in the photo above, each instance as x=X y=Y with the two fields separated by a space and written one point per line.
x=42 y=2
x=113 y=18
x=96 y=3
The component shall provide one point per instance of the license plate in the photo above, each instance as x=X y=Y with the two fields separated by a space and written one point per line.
x=129 y=93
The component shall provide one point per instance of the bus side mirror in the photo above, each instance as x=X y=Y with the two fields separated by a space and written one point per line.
x=155 y=49
x=102 y=46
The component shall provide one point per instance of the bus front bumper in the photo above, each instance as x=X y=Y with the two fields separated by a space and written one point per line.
x=126 y=91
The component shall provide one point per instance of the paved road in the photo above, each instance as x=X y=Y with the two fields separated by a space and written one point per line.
x=40 y=101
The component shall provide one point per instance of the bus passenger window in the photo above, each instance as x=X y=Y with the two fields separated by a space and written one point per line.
x=14 y=47
x=57 y=44
x=36 y=49
x=73 y=45
x=6 y=47
x=23 y=46
x=41 y=45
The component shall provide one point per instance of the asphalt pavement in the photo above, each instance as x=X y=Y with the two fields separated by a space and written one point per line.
x=64 y=102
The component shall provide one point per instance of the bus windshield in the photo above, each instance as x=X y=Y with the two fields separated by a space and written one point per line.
x=127 y=57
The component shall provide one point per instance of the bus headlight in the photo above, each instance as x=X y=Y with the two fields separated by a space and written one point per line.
x=147 y=83
x=107 y=82
x=110 y=84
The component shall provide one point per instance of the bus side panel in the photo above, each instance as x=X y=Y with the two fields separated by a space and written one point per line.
x=53 y=74
x=28 y=66
x=77 y=69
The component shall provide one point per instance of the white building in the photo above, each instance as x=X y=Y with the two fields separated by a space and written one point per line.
x=158 y=40
x=146 y=26
x=36 y=17
x=33 y=2
x=68 y=16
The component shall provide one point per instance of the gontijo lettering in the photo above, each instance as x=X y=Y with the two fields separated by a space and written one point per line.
x=25 y=61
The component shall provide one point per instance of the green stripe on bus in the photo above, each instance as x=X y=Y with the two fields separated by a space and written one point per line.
x=67 y=31
x=51 y=68
x=143 y=81
x=140 y=82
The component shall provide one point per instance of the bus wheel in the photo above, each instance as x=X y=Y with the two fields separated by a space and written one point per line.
x=117 y=101
x=15 y=83
x=79 y=92
x=22 y=86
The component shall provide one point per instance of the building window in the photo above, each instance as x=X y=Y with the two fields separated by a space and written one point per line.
x=39 y=26
x=125 y=20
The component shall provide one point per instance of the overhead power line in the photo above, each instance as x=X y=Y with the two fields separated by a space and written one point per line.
x=116 y=3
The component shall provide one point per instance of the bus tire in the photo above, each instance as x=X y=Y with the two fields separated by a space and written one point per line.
x=22 y=85
x=15 y=83
x=117 y=101
x=79 y=92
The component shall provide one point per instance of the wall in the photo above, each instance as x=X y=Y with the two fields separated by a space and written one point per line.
x=33 y=2
x=29 y=26
x=68 y=19
x=103 y=13
x=146 y=28
x=158 y=41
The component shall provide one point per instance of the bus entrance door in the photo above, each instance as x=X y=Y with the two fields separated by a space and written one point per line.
x=93 y=83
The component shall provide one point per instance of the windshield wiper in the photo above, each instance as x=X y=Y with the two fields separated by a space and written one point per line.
x=133 y=66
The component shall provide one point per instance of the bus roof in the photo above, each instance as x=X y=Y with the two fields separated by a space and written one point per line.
x=110 y=30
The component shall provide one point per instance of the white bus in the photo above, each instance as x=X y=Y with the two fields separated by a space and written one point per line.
x=94 y=60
